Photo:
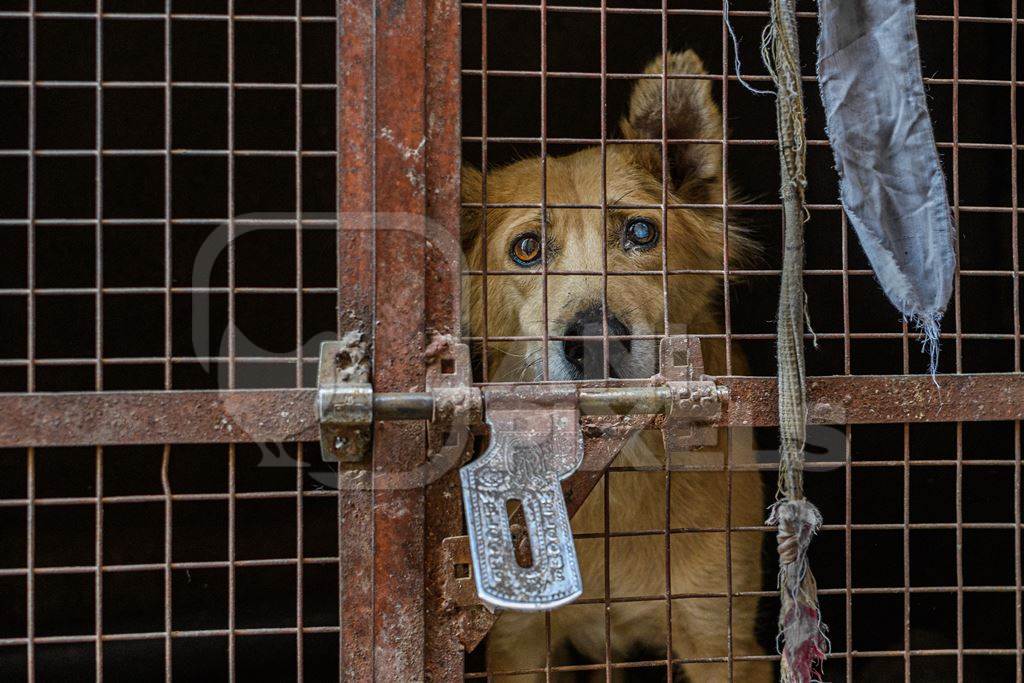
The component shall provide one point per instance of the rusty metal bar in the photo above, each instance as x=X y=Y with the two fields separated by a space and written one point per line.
x=443 y=653
x=688 y=11
x=107 y=418
x=399 y=336
x=1014 y=245
x=755 y=78
x=276 y=18
x=165 y=15
x=287 y=415
x=355 y=281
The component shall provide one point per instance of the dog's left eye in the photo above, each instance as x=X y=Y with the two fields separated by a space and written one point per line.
x=640 y=233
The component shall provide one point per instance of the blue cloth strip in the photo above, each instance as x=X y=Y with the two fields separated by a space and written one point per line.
x=891 y=183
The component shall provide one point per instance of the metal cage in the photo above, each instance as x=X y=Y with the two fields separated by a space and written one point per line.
x=198 y=192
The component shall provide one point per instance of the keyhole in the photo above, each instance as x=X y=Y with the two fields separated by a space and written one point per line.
x=520 y=537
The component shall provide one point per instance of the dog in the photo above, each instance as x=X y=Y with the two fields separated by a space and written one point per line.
x=633 y=240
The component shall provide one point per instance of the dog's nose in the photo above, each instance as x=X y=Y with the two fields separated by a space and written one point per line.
x=586 y=356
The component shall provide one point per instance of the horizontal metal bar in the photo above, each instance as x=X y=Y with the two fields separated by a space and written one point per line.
x=163 y=16
x=145 y=220
x=156 y=152
x=818 y=464
x=213 y=16
x=517 y=140
x=760 y=272
x=287 y=415
x=732 y=142
x=73 y=501
x=85 y=291
x=634 y=76
x=153 y=417
x=856 y=590
x=149 y=360
x=690 y=11
x=723 y=659
x=160 y=566
x=880 y=399
x=237 y=85
x=737 y=336
x=407 y=406
x=162 y=635
x=702 y=205
x=139 y=220
x=257 y=289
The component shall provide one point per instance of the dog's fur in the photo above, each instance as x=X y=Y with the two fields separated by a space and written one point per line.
x=697 y=499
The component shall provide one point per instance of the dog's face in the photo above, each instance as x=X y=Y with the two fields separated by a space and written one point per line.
x=630 y=244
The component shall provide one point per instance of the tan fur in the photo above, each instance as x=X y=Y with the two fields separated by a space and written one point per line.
x=636 y=499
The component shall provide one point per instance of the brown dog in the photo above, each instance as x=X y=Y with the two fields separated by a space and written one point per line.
x=694 y=572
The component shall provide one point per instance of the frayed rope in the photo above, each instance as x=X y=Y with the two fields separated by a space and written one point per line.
x=802 y=639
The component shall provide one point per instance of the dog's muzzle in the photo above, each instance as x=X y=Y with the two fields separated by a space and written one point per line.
x=585 y=356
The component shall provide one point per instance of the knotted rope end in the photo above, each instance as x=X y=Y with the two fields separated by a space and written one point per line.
x=802 y=639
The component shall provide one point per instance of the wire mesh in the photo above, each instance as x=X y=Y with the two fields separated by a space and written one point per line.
x=191 y=147
x=548 y=80
x=144 y=566
x=139 y=139
x=165 y=152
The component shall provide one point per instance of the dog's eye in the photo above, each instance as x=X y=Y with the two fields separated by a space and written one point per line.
x=525 y=249
x=640 y=234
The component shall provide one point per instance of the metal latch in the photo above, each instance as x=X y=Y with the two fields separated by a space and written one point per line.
x=536 y=441
x=346 y=404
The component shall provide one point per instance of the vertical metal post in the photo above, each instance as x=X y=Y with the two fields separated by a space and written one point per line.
x=399 y=312
x=399 y=163
x=355 y=252
x=443 y=651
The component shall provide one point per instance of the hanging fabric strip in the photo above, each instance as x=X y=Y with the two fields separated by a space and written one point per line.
x=891 y=183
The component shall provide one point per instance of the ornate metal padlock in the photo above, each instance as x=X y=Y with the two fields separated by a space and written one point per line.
x=535 y=443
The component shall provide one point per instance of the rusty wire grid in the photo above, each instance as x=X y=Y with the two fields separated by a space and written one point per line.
x=183 y=148
x=986 y=279
x=138 y=135
x=544 y=79
x=144 y=137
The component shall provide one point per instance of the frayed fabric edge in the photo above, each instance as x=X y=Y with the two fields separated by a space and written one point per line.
x=802 y=638
x=928 y=327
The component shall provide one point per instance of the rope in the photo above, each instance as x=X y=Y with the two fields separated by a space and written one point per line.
x=801 y=640
x=780 y=51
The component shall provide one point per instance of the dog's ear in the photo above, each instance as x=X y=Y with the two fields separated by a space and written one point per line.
x=472 y=217
x=691 y=113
